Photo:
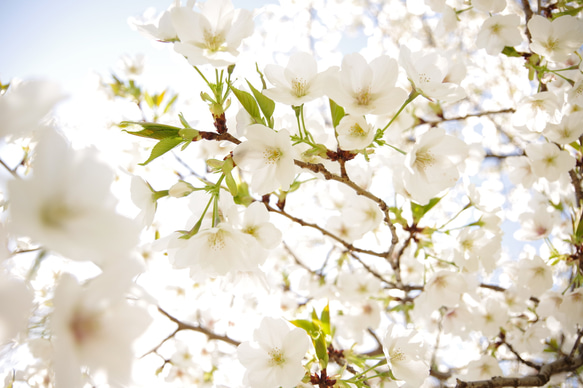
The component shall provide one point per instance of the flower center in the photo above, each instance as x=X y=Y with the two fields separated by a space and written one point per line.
x=276 y=357
x=357 y=131
x=551 y=44
x=213 y=42
x=423 y=159
x=397 y=355
x=363 y=97
x=424 y=78
x=216 y=241
x=56 y=213
x=495 y=28
x=272 y=155
x=299 y=87
x=83 y=326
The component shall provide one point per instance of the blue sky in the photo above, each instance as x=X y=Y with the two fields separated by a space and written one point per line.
x=65 y=39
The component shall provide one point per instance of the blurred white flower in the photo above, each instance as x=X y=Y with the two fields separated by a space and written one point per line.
x=354 y=133
x=490 y=6
x=567 y=131
x=549 y=161
x=536 y=225
x=521 y=171
x=93 y=327
x=143 y=196
x=363 y=88
x=484 y=368
x=274 y=358
x=15 y=307
x=161 y=28
x=269 y=156
x=67 y=206
x=405 y=356
x=575 y=94
x=445 y=288
x=534 y=276
x=25 y=105
x=296 y=84
x=213 y=35
x=499 y=31
x=555 y=39
x=427 y=72
x=536 y=111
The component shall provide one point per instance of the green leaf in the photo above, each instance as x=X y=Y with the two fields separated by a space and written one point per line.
x=249 y=103
x=510 y=52
x=419 y=211
x=321 y=349
x=337 y=113
x=152 y=130
x=231 y=184
x=579 y=231
x=170 y=103
x=149 y=99
x=325 y=319
x=266 y=104
x=162 y=147
x=304 y=324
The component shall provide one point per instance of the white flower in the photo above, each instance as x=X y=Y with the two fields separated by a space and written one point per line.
x=160 y=29
x=180 y=189
x=536 y=225
x=537 y=110
x=93 y=327
x=555 y=39
x=215 y=252
x=363 y=88
x=567 y=131
x=483 y=369
x=296 y=84
x=445 y=288
x=67 y=205
x=274 y=359
x=575 y=94
x=491 y=6
x=535 y=276
x=499 y=31
x=521 y=171
x=405 y=356
x=427 y=72
x=24 y=106
x=213 y=35
x=432 y=165
x=548 y=161
x=144 y=198
x=15 y=307
x=268 y=156
x=256 y=224
x=354 y=133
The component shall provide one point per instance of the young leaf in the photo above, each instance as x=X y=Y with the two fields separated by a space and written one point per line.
x=162 y=147
x=248 y=102
x=266 y=104
x=337 y=113
x=152 y=130
x=419 y=211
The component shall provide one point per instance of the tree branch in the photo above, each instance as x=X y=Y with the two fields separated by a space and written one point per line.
x=565 y=364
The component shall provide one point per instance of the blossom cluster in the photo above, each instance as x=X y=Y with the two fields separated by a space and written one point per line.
x=409 y=215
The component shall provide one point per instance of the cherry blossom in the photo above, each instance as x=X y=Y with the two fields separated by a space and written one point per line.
x=405 y=356
x=94 y=327
x=363 y=88
x=354 y=133
x=296 y=84
x=432 y=165
x=274 y=358
x=427 y=73
x=548 y=161
x=67 y=205
x=497 y=32
x=555 y=39
x=213 y=35
x=268 y=154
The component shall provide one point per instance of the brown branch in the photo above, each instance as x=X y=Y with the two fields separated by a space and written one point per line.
x=458 y=118
x=527 y=16
x=319 y=168
x=219 y=137
x=564 y=364
x=186 y=326
x=299 y=221
x=576 y=181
